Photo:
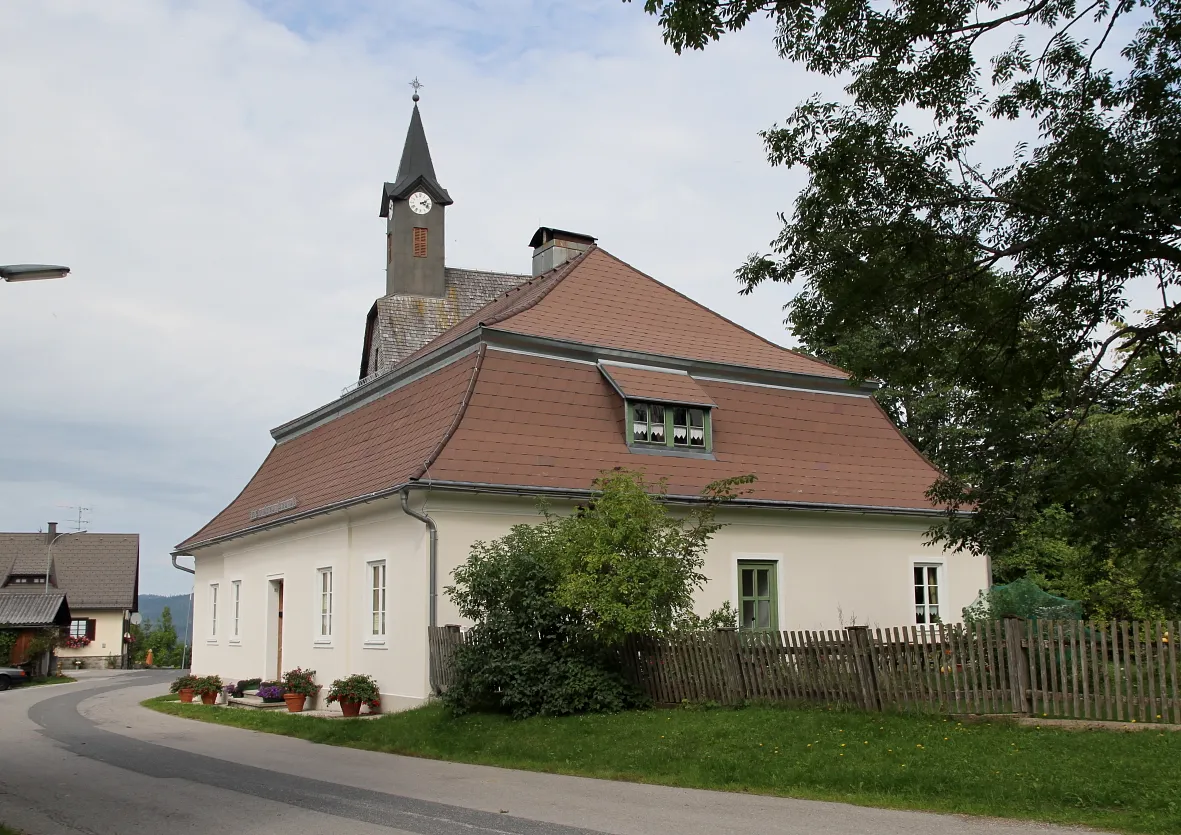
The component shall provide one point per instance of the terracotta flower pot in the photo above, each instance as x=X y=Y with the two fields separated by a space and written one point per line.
x=350 y=708
x=186 y=695
x=208 y=698
x=295 y=702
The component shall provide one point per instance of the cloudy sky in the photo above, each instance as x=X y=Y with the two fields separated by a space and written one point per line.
x=211 y=172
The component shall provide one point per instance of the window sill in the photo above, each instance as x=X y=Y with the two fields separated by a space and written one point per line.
x=234 y=642
x=324 y=643
x=672 y=452
x=374 y=645
x=211 y=641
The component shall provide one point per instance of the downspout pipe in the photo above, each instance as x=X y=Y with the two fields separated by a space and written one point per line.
x=433 y=530
x=181 y=567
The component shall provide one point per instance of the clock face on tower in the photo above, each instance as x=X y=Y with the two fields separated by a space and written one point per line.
x=420 y=203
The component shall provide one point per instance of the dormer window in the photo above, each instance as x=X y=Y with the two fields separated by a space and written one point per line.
x=667 y=411
x=26 y=580
x=669 y=426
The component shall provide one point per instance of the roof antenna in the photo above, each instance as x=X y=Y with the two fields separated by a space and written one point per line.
x=417 y=85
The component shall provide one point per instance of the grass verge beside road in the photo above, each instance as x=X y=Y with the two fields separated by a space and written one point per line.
x=1119 y=781
x=48 y=680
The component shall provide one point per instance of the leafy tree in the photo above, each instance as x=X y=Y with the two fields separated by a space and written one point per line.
x=160 y=638
x=993 y=302
x=551 y=602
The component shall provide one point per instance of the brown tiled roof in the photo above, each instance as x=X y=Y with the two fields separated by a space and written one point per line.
x=541 y=422
x=604 y=302
x=661 y=386
x=512 y=419
x=379 y=445
x=95 y=570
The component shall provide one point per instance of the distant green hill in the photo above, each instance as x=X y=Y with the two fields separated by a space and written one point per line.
x=151 y=606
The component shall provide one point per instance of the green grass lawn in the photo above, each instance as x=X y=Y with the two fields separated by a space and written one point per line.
x=1129 y=782
x=4 y=830
x=47 y=680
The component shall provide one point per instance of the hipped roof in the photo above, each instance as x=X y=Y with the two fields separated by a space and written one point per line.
x=498 y=418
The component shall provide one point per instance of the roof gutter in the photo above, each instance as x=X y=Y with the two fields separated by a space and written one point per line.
x=181 y=567
x=580 y=493
x=433 y=531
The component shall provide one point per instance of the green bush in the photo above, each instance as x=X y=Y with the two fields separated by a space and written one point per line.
x=185 y=682
x=7 y=642
x=551 y=602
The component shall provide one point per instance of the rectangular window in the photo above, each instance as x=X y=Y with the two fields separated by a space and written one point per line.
x=325 y=587
x=757 y=596
x=389 y=248
x=213 y=610
x=419 y=242
x=78 y=628
x=237 y=600
x=653 y=424
x=377 y=587
x=926 y=594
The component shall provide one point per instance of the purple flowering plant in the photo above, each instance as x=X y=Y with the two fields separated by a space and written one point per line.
x=271 y=692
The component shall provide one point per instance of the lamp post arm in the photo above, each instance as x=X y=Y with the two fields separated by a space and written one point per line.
x=49 y=555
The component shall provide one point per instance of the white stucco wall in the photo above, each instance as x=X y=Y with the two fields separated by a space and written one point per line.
x=108 y=634
x=833 y=569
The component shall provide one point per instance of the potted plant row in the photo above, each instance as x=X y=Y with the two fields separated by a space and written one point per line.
x=354 y=691
x=299 y=685
x=271 y=692
x=208 y=688
x=183 y=687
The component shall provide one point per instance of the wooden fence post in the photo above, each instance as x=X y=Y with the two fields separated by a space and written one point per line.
x=866 y=666
x=1018 y=652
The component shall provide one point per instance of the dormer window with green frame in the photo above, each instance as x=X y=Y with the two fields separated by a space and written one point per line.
x=666 y=411
x=652 y=424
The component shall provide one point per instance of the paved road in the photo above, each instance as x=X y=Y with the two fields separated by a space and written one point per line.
x=85 y=758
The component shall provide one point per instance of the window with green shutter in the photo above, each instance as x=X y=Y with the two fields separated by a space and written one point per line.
x=757 y=596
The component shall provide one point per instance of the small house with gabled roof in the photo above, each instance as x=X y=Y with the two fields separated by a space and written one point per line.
x=96 y=575
x=334 y=555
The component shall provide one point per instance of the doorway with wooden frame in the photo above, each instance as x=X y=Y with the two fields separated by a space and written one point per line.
x=275 y=630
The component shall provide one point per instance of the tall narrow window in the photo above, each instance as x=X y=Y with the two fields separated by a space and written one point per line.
x=926 y=594
x=640 y=422
x=213 y=610
x=419 y=242
x=656 y=423
x=326 y=603
x=696 y=427
x=377 y=585
x=236 y=594
x=757 y=597
x=680 y=426
x=389 y=248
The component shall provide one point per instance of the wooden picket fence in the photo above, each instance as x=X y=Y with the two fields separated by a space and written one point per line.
x=1061 y=669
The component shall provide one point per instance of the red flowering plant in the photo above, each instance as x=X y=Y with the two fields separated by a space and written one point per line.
x=301 y=682
x=356 y=688
x=71 y=642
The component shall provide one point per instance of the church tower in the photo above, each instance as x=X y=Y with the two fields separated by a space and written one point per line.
x=414 y=207
x=423 y=296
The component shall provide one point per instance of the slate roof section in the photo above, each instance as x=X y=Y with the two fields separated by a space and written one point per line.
x=95 y=570
x=653 y=385
x=33 y=610
x=380 y=445
x=404 y=324
x=526 y=415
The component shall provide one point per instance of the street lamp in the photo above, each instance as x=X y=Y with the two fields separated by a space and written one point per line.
x=32 y=272
x=49 y=559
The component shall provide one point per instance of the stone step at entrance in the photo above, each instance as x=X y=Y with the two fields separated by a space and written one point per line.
x=250 y=700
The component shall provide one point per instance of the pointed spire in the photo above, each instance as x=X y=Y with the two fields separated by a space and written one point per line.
x=416 y=154
x=416 y=168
